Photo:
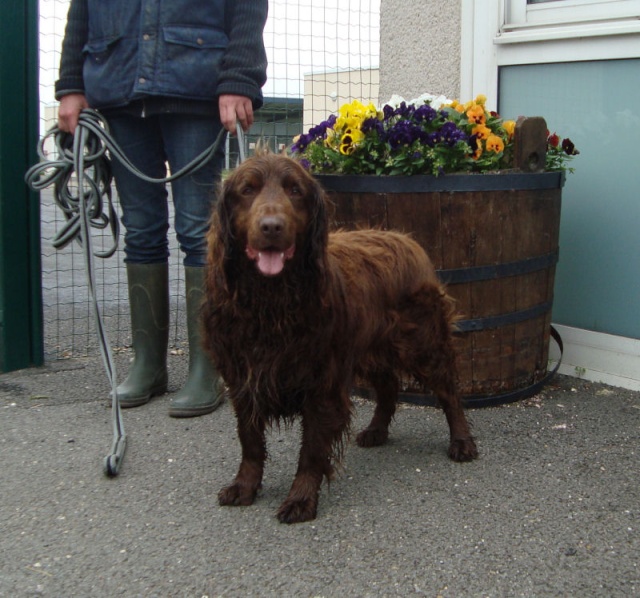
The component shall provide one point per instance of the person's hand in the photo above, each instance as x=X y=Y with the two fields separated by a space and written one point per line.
x=69 y=110
x=234 y=109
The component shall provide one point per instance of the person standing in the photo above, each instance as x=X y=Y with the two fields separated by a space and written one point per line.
x=167 y=76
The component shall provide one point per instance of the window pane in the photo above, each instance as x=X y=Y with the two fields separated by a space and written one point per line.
x=598 y=277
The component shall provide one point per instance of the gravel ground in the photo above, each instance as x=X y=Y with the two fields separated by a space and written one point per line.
x=551 y=508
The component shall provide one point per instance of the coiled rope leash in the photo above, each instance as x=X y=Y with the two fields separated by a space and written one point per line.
x=85 y=155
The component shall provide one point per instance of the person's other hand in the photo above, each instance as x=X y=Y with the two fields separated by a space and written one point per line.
x=69 y=110
x=234 y=109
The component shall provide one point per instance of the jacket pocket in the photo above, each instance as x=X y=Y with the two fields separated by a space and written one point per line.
x=195 y=37
x=99 y=50
x=192 y=61
x=108 y=71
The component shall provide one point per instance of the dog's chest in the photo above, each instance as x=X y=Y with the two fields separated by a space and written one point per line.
x=282 y=340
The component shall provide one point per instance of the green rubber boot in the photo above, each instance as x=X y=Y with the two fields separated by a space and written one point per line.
x=202 y=393
x=149 y=305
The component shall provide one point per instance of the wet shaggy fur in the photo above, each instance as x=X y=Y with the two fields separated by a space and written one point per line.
x=293 y=315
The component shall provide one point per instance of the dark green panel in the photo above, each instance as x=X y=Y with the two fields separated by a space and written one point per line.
x=20 y=287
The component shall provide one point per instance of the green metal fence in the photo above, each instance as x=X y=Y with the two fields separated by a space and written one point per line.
x=45 y=311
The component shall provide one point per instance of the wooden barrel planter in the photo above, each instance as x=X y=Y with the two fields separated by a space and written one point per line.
x=494 y=240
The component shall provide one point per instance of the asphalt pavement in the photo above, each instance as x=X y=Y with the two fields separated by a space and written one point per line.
x=551 y=507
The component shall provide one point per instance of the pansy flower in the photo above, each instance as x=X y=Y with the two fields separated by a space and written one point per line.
x=569 y=148
x=494 y=144
x=510 y=127
x=429 y=135
x=481 y=132
x=476 y=114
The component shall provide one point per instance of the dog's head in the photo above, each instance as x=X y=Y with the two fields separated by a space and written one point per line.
x=274 y=212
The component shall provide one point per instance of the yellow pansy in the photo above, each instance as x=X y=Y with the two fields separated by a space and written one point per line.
x=509 y=126
x=350 y=140
x=476 y=114
x=481 y=131
x=351 y=116
x=331 y=138
x=494 y=144
x=370 y=111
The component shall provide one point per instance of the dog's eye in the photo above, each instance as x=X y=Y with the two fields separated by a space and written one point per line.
x=247 y=190
x=295 y=191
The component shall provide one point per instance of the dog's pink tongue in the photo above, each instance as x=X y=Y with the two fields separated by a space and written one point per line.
x=270 y=262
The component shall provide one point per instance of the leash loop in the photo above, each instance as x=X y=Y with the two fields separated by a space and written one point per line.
x=81 y=176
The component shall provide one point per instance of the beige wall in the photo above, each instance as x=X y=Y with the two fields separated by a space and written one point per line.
x=325 y=92
x=419 y=48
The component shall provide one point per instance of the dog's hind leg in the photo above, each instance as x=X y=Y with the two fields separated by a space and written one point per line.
x=462 y=447
x=377 y=432
x=248 y=480
x=433 y=363
x=440 y=379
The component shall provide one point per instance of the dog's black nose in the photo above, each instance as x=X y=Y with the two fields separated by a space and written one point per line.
x=271 y=226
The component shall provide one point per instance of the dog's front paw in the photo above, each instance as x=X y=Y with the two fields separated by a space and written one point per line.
x=297 y=511
x=236 y=495
x=372 y=437
x=463 y=449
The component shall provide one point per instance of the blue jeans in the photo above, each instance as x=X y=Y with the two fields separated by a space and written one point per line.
x=150 y=143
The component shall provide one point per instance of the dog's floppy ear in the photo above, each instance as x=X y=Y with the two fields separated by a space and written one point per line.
x=318 y=232
x=221 y=236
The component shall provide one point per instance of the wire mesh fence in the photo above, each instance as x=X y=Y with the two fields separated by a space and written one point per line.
x=321 y=54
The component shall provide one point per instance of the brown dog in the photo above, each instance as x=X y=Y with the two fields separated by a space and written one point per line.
x=293 y=315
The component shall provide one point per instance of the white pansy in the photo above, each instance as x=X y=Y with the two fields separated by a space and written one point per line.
x=395 y=100
x=440 y=101
x=436 y=101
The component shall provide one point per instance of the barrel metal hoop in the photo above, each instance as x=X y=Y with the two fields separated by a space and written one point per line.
x=501 y=320
x=494 y=271
x=448 y=183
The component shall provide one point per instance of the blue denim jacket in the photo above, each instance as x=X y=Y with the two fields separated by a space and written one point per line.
x=189 y=49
